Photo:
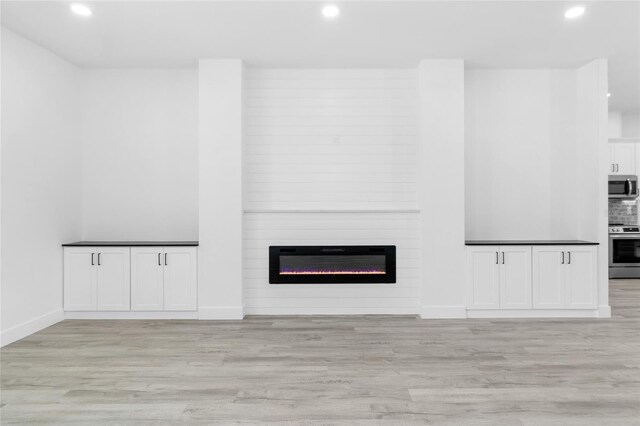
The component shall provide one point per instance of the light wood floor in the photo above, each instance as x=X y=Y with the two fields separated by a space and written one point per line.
x=331 y=370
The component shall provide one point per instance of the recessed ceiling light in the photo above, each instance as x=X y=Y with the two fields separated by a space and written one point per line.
x=609 y=95
x=330 y=11
x=80 y=9
x=574 y=12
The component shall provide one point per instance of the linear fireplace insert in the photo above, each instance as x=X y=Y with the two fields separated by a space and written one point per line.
x=332 y=264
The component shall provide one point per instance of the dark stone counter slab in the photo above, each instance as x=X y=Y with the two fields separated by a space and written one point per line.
x=130 y=243
x=530 y=243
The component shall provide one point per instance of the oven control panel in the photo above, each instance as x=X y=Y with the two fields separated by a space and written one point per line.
x=624 y=229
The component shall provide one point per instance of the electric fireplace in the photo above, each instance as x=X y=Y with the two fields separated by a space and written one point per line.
x=332 y=264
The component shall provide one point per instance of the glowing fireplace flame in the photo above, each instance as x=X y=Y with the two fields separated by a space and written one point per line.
x=371 y=272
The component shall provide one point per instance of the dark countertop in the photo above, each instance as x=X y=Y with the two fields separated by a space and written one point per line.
x=130 y=243
x=530 y=243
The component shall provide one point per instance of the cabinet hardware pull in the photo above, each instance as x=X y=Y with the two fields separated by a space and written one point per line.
x=165 y=259
x=92 y=259
x=159 y=263
x=497 y=257
x=563 y=258
x=99 y=259
x=569 y=262
x=503 y=258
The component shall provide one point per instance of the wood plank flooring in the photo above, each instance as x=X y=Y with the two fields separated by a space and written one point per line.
x=331 y=370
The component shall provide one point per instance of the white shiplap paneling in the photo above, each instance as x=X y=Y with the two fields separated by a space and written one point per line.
x=343 y=142
x=330 y=139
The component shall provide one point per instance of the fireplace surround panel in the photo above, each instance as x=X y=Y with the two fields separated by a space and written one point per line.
x=332 y=264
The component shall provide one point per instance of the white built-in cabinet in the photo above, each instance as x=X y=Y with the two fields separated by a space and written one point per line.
x=531 y=277
x=130 y=278
x=163 y=278
x=96 y=279
x=564 y=277
x=499 y=277
x=622 y=158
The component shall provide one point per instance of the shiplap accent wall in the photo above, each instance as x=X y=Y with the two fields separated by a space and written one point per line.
x=330 y=139
x=330 y=158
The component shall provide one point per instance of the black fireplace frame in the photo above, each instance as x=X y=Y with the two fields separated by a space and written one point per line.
x=276 y=251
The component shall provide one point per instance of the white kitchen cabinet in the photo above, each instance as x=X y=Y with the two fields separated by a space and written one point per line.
x=122 y=278
x=581 y=285
x=147 y=279
x=565 y=277
x=163 y=279
x=622 y=158
x=530 y=278
x=96 y=279
x=114 y=281
x=548 y=277
x=180 y=279
x=515 y=277
x=80 y=279
x=499 y=277
x=483 y=277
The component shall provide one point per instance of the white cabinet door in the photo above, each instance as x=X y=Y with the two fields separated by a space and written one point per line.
x=147 y=290
x=483 y=277
x=581 y=277
x=180 y=279
x=114 y=279
x=80 y=278
x=549 y=276
x=623 y=158
x=515 y=277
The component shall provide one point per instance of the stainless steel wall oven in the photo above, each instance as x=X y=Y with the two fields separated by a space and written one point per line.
x=624 y=251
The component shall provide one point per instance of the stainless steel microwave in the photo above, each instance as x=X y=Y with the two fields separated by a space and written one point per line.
x=623 y=186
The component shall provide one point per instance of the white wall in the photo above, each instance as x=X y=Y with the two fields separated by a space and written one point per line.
x=564 y=144
x=40 y=182
x=630 y=126
x=520 y=154
x=615 y=124
x=220 y=129
x=330 y=159
x=442 y=188
x=593 y=160
x=140 y=154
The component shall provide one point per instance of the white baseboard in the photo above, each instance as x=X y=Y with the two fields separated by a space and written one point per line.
x=532 y=313
x=221 y=313
x=443 y=312
x=604 y=311
x=128 y=315
x=329 y=310
x=27 y=328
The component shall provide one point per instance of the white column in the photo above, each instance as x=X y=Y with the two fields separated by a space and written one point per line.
x=593 y=167
x=441 y=189
x=220 y=189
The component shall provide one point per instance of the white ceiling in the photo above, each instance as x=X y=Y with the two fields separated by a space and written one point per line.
x=499 y=34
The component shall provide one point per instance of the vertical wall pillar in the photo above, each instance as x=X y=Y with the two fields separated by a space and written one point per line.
x=593 y=158
x=220 y=189
x=441 y=188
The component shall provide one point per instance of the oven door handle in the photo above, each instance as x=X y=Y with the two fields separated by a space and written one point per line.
x=630 y=236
